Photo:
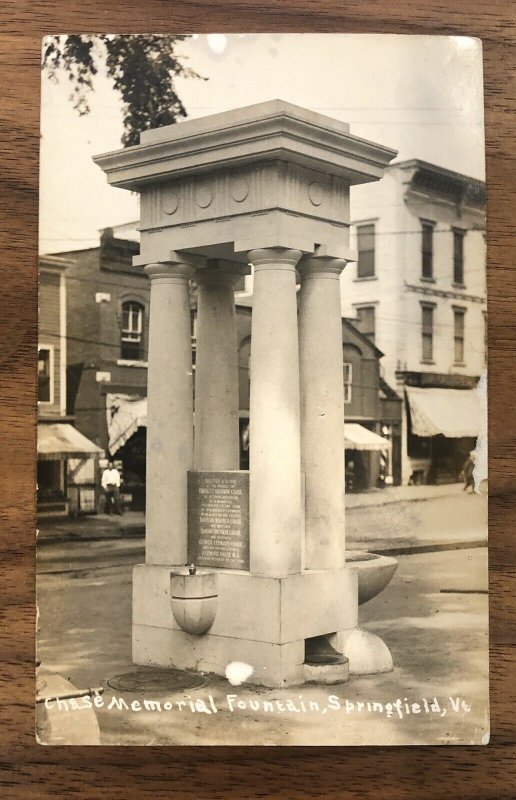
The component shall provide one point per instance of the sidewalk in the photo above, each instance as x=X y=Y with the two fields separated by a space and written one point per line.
x=406 y=525
x=90 y=528
x=401 y=494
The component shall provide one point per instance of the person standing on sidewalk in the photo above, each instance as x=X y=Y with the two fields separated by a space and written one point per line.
x=111 y=484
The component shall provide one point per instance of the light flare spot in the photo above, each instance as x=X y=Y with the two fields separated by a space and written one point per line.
x=238 y=672
x=217 y=42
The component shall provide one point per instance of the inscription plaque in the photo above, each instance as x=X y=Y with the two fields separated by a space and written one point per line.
x=218 y=519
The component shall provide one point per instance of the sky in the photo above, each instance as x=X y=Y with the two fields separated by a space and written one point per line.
x=421 y=95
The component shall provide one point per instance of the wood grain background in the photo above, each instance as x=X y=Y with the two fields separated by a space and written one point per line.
x=31 y=771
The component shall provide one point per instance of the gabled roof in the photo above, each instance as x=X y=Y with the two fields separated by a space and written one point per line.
x=346 y=322
x=388 y=391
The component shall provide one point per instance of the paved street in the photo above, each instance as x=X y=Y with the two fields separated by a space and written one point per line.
x=438 y=518
x=432 y=616
x=453 y=520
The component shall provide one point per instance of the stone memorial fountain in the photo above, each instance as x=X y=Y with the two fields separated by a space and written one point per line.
x=248 y=566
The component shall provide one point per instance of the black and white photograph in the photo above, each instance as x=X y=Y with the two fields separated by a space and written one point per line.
x=262 y=484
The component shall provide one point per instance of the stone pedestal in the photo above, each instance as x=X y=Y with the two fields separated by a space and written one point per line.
x=367 y=653
x=262 y=621
x=327 y=674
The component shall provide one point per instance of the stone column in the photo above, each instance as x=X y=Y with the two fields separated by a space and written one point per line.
x=322 y=411
x=216 y=444
x=169 y=413
x=275 y=463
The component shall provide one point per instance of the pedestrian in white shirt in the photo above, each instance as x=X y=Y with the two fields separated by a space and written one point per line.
x=111 y=484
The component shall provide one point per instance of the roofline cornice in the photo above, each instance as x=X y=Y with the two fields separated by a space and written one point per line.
x=50 y=263
x=416 y=167
x=268 y=138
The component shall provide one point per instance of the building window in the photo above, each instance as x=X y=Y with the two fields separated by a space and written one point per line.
x=348 y=379
x=366 y=321
x=458 y=257
x=427 y=329
x=427 y=250
x=365 y=241
x=45 y=375
x=131 y=343
x=458 y=334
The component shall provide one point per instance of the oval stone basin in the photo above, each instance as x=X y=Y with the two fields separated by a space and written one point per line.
x=374 y=573
x=194 y=600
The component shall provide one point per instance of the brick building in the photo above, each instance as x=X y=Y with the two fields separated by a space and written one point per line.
x=108 y=322
x=66 y=458
x=108 y=311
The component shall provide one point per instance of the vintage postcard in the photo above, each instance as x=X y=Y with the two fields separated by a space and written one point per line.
x=262 y=383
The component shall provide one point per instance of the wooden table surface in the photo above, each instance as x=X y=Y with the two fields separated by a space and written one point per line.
x=28 y=770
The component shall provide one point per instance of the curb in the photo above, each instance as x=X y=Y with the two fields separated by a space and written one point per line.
x=389 y=502
x=85 y=563
x=138 y=530
x=436 y=547
x=131 y=532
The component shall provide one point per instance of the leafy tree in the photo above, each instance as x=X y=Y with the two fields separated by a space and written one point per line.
x=141 y=67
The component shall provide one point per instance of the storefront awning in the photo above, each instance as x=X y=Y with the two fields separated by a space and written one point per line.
x=125 y=414
x=455 y=413
x=356 y=437
x=60 y=440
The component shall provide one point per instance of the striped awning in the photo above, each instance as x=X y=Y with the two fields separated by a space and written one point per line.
x=59 y=440
x=125 y=414
x=356 y=437
x=454 y=413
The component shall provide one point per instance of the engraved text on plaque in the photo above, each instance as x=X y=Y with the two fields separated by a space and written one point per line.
x=218 y=519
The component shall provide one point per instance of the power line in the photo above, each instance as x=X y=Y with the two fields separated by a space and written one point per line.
x=106 y=407
x=475 y=121
x=354 y=386
x=351 y=225
x=412 y=233
x=361 y=386
x=468 y=271
x=117 y=345
x=119 y=284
